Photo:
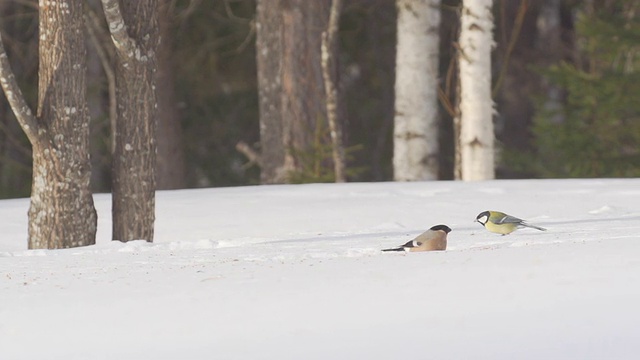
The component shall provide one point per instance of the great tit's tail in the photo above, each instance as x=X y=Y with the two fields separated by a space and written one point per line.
x=533 y=226
x=394 y=249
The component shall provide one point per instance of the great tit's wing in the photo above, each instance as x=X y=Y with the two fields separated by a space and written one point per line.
x=508 y=219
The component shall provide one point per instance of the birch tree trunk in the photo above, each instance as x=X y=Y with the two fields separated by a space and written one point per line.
x=476 y=105
x=135 y=33
x=415 y=151
x=62 y=213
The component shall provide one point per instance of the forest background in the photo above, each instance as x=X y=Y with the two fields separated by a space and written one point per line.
x=564 y=84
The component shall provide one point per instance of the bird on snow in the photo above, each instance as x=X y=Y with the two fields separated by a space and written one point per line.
x=430 y=240
x=501 y=223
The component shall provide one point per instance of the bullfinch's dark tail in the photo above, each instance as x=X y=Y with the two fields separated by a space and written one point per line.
x=394 y=249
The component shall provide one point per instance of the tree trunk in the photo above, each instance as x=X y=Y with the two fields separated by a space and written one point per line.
x=171 y=169
x=330 y=75
x=476 y=105
x=303 y=96
x=291 y=93
x=134 y=30
x=268 y=58
x=62 y=213
x=98 y=99
x=516 y=83
x=552 y=50
x=416 y=147
x=457 y=139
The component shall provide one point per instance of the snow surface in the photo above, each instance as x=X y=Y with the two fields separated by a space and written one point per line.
x=296 y=272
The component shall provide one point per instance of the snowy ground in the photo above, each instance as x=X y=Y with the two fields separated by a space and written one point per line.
x=295 y=272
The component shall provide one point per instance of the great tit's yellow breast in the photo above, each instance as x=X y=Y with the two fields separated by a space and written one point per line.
x=503 y=229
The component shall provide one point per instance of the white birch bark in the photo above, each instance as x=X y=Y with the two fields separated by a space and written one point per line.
x=476 y=105
x=415 y=149
x=329 y=55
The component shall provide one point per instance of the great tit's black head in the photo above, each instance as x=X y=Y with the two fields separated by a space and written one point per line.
x=483 y=217
x=444 y=228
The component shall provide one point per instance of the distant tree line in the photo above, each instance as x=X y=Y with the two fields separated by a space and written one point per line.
x=166 y=94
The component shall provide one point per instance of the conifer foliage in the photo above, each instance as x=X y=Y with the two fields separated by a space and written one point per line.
x=596 y=133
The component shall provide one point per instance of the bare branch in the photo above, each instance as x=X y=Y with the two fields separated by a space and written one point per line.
x=191 y=8
x=517 y=26
x=230 y=14
x=252 y=155
x=125 y=45
x=329 y=48
x=248 y=38
x=14 y=95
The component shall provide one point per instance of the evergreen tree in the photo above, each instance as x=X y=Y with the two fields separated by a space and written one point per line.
x=596 y=133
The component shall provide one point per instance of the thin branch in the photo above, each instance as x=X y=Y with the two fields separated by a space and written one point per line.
x=445 y=94
x=252 y=155
x=191 y=8
x=329 y=48
x=522 y=10
x=248 y=38
x=231 y=15
x=125 y=45
x=446 y=103
x=91 y=25
x=14 y=95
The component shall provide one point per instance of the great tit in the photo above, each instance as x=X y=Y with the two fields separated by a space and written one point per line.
x=501 y=223
x=430 y=240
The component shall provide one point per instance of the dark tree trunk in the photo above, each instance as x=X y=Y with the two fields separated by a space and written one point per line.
x=171 y=161
x=268 y=57
x=290 y=82
x=100 y=79
x=539 y=42
x=514 y=97
x=134 y=30
x=62 y=213
x=303 y=96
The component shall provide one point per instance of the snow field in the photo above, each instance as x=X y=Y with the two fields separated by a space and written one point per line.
x=290 y=272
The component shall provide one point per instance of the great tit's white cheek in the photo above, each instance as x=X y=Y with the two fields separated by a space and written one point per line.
x=483 y=219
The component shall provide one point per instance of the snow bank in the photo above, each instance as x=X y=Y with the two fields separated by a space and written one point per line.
x=291 y=272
